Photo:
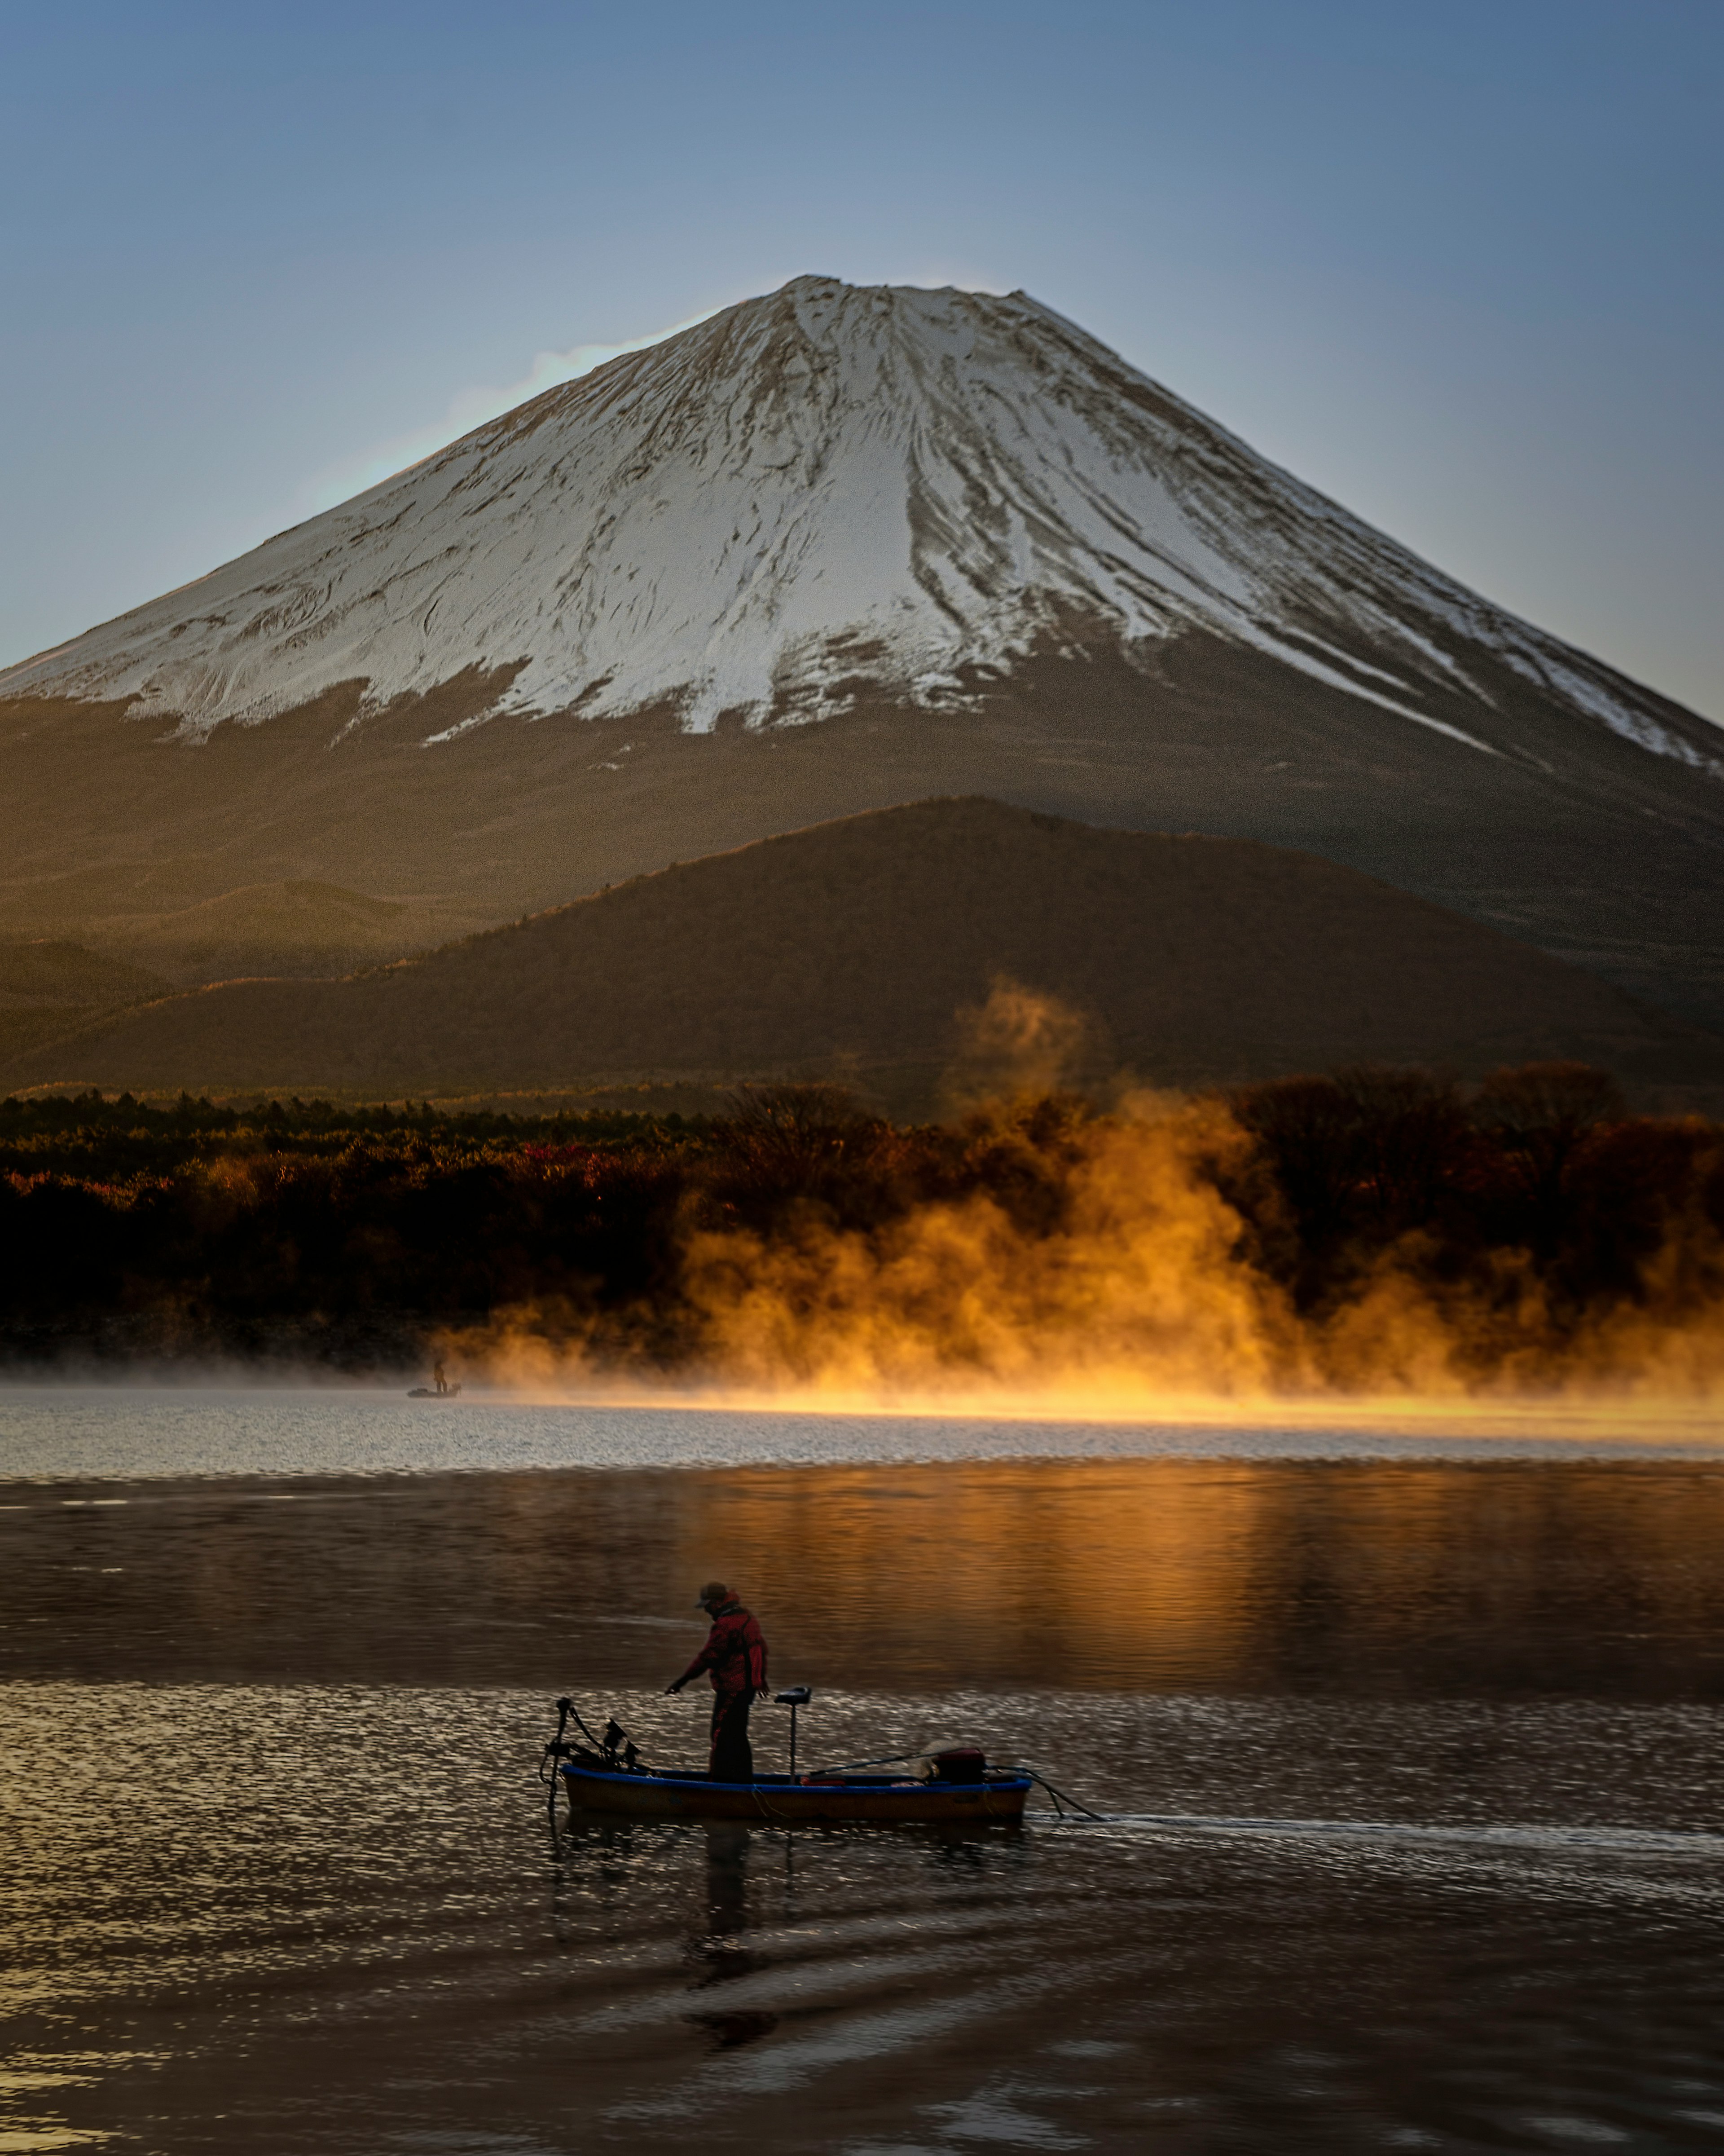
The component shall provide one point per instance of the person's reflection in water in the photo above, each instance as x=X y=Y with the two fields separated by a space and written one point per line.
x=727 y=1892
x=719 y=1947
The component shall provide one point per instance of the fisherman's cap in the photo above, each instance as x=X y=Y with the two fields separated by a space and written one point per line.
x=714 y=1590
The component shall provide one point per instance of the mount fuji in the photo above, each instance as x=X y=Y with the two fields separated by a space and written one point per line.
x=831 y=550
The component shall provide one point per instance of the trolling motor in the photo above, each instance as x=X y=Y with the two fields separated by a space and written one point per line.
x=794 y=1696
x=614 y=1747
x=555 y=1751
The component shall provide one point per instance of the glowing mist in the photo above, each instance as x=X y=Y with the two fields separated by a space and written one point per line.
x=1144 y=1294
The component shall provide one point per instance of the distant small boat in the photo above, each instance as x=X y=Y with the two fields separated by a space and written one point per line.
x=598 y=1787
x=430 y=1393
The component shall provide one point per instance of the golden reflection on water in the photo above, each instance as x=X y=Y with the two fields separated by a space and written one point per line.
x=1003 y=1561
x=1211 y=1574
x=1168 y=1574
x=33 y=2128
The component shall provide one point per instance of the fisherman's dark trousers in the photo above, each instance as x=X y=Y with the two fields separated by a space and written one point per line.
x=733 y=1754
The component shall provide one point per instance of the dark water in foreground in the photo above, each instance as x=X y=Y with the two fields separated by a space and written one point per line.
x=1440 y=1742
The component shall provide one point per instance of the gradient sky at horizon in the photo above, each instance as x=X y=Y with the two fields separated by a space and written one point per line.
x=1462 y=268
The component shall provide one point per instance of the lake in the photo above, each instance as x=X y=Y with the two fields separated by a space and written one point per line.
x=1407 y=1740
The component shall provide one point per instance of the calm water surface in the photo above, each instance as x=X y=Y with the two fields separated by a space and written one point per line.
x=1414 y=1839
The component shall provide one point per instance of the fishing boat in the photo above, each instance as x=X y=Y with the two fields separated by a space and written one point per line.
x=595 y=1788
x=605 y=1778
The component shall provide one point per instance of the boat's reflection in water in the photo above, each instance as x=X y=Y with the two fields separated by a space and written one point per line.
x=725 y=1940
x=716 y=1948
x=721 y=1950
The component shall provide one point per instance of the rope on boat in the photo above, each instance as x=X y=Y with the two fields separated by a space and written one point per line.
x=1061 y=1800
x=766 y=1812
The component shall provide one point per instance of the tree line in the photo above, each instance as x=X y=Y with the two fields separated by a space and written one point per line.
x=358 y=1237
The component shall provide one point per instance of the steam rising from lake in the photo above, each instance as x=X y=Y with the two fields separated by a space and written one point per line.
x=1143 y=1296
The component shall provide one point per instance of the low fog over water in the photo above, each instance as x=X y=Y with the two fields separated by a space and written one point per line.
x=234 y=1427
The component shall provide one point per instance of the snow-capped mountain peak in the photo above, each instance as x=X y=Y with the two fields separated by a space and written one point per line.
x=827 y=485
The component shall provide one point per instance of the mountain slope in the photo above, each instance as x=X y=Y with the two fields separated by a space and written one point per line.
x=857 y=949
x=49 y=988
x=834 y=548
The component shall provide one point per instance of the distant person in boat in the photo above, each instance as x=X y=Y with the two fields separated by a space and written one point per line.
x=439 y=1380
x=735 y=1655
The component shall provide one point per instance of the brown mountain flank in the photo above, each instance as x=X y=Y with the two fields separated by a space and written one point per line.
x=1599 y=853
x=856 y=949
x=49 y=986
x=305 y=928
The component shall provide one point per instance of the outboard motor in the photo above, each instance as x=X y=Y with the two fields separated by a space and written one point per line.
x=960 y=1763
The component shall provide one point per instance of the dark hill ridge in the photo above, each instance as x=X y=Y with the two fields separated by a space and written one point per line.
x=852 y=949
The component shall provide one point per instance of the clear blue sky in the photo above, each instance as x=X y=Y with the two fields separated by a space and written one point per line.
x=1460 y=265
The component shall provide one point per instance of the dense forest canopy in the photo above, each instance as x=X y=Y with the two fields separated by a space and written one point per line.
x=1525 y=1218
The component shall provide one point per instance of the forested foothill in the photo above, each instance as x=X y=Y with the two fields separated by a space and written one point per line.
x=360 y=1238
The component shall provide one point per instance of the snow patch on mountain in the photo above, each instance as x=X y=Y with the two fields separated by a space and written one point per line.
x=827 y=487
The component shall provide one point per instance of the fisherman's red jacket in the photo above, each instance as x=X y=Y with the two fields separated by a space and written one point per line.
x=735 y=1652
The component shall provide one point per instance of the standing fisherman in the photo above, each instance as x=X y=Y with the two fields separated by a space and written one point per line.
x=736 y=1656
